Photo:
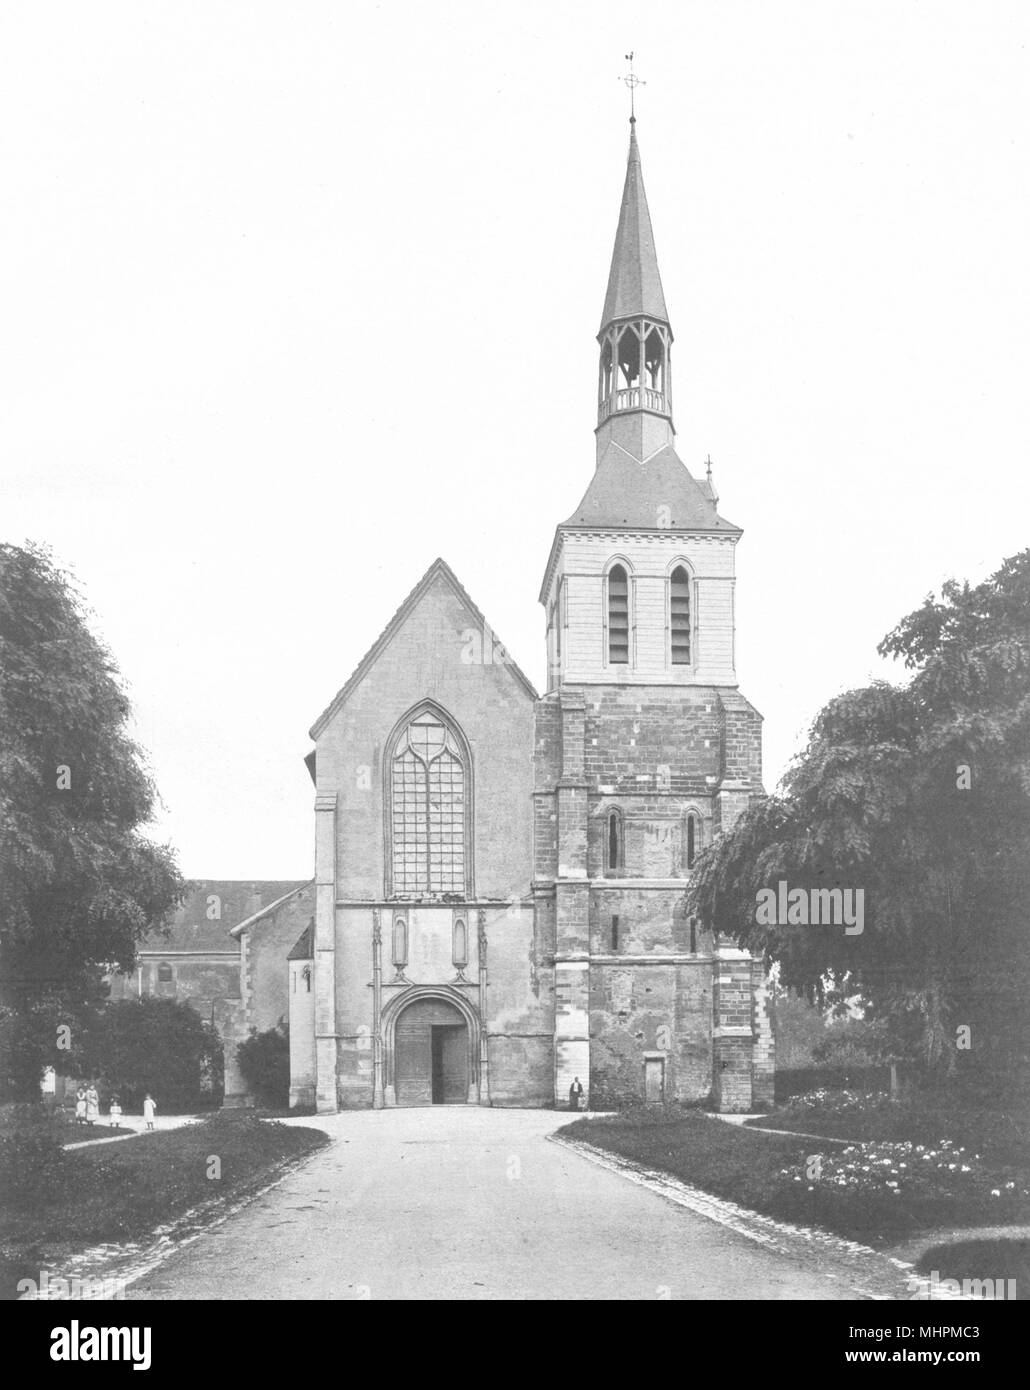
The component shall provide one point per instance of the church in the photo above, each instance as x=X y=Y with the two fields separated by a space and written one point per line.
x=498 y=901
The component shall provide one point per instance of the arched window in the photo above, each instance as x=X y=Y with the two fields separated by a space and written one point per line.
x=691 y=839
x=618 y=616
x=614 y=848
x=430 y=824
x=679 y=616
x=459 y=944
x=165 y=974
x=400 y=942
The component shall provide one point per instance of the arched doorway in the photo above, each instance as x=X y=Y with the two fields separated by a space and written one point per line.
x=431 y=1054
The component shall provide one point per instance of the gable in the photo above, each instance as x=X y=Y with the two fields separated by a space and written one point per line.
x=439 y=617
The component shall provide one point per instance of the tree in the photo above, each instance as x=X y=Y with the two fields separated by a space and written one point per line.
x=81 y=882
x=918 y=795
x=158 y=1045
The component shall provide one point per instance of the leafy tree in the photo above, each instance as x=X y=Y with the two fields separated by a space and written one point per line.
x=80 y=881
x=264 y=1060
x=919 y=795
x=158 y=1045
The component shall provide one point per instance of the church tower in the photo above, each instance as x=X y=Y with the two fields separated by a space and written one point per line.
x=645 y=746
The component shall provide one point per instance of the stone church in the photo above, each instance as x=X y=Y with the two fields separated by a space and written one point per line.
x=498 y=904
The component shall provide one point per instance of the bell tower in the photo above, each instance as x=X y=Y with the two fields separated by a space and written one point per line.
x=645 y=747
x=634 y=390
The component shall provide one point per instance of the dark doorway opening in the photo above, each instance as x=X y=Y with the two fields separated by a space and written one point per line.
x=449 y=1063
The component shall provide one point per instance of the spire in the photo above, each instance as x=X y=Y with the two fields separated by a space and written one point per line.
x=634 y=284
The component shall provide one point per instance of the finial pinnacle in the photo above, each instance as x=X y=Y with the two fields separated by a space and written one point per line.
x=632 y=82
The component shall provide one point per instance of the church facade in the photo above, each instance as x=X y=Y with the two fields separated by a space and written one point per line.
x=498 y=904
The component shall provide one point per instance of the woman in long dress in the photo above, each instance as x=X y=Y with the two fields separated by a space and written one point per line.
x=80 y=1106
x=92 y=1105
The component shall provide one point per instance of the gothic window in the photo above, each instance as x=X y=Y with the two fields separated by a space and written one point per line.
x=618 y=616
x=615 y=931
x=429 y=804
x=691 y=839
x=614 y=849
x=679 y=616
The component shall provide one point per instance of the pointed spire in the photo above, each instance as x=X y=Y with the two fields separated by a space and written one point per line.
x=634 y=284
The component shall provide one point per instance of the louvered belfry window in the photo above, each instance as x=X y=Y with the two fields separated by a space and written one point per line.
x=618 y=616
x=679 y=616
x=429 y=787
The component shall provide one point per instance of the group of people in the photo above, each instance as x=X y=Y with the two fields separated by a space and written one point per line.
x=87 y=1107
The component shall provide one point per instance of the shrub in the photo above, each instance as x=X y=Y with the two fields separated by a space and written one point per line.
x=157 y=1045
x=264 y=1060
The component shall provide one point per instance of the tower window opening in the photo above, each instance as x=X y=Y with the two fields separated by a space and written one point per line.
x=618 y=616
x=679 y=616
x=606 y=372
x=693 y=936
x=615 y=931
x=654 y=366
x=614 y=848
x=692 y=836
x=629 y=365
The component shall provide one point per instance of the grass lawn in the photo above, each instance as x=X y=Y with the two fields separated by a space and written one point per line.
x=879 y=1192
x=1000 y=1133
x=119 y=1192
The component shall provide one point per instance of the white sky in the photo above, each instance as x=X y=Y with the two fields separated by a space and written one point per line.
x=297 y=297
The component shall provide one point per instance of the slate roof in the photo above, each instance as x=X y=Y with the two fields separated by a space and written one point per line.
x=634 y=283
x=192 y=930
x=623 y=492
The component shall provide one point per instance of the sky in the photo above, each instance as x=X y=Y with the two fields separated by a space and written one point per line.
x=297 y=298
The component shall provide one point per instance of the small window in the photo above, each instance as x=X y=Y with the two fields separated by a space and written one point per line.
x=459 y=945
x=618 y=616
x=679 y=616
x=693 y=936
x=613 y=843
x=165 y=976
x=400 y=943
x=615 y=931
x=692 y=839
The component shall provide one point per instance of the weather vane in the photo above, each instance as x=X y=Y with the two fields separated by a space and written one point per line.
x=632 y=81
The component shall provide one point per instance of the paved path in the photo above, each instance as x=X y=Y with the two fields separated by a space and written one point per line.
x=464 y=1203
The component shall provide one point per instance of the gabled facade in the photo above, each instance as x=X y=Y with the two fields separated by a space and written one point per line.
x=499 y=895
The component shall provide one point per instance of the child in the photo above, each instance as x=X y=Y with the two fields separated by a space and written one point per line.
x=148 y=1110
x=80 y=1105
x=116 y=1112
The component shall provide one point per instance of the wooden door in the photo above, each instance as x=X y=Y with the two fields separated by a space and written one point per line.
x=654 y=1080
x=431 y=1055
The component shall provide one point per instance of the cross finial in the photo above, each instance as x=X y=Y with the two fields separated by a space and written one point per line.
x=708 y=464
x=632 y=81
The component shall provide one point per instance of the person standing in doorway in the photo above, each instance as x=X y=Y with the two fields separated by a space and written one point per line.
x=575 y=1091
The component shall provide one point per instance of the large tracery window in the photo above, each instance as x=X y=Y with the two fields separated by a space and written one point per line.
x=429 y=791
